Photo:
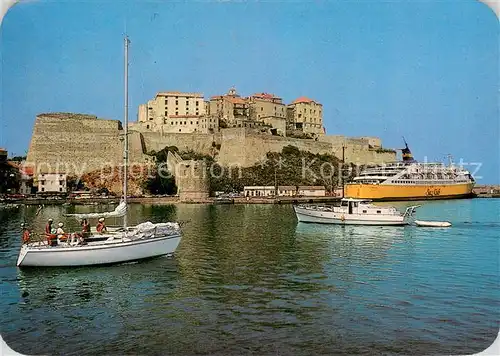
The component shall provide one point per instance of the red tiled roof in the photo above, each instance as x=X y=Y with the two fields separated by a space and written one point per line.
x=304 y=99
x=265 y=96
x=236 y=100
x=27 y=170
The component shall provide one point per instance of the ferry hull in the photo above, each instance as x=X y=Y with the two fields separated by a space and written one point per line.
x=382 y=192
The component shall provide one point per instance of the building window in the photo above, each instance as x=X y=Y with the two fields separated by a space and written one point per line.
x=187 y=103
x=179 y=130
x=184 y=122
x=191 y=122
x=61 y=182
x=150 y=118
x=42 y=182
x=176 y=113
x=197 y=103
x=43 y=189
x=166 y=113
x=60 y=189
x=147 y=126
x=171 y=123
x=177 y=102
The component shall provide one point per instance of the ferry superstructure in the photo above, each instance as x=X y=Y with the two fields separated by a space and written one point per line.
x=411 y=180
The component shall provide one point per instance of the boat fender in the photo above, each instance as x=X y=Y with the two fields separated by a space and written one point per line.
x=342 y=217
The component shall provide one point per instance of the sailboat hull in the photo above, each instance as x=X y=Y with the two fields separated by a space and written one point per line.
x=103 y=253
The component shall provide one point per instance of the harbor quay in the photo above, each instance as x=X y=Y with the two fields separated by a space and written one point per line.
x=162 y=200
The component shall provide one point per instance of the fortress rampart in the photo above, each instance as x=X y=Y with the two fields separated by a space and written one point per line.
x=246 y=147
x=74 y=143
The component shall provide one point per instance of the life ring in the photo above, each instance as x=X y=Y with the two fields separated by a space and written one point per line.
x=342 y=217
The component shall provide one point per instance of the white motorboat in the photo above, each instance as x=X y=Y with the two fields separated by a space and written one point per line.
x=353 y=212
x=432 y=223
x=126 y=244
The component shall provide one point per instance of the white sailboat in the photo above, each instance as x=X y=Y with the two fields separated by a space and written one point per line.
x=134 y=243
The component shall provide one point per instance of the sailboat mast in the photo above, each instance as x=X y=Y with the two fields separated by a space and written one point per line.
x=125 y=151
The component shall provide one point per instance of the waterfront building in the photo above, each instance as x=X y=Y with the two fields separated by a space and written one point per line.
x=284 y=191
x=311 y=191
x=269 y=191
x=26 y=182
x=259 y=191
x=176 y=112
x=52 y=183
x=305 y=116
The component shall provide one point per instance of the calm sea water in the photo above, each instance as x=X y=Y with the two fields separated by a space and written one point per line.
x=251 y=280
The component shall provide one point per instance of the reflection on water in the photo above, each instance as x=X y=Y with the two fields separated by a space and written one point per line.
x=250 y=279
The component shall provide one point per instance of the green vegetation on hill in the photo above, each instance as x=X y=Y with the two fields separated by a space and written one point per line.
x=162 y=181
x=289 y=167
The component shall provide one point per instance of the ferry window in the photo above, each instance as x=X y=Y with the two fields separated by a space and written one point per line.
x=364 y=211
x=378 y=212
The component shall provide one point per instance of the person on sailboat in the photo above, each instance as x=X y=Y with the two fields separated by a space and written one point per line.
x=48 y=227
x=26 y=233
x=101 y=226
x=61 y=235
x=50 y=234
x=85 y=227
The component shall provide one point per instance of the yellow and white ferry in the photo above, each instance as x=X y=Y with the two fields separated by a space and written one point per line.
x=411 y=180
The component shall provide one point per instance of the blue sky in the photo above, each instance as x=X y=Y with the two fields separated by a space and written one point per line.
x=427 y=70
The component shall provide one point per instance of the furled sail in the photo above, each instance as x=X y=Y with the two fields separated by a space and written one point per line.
x=119 y=211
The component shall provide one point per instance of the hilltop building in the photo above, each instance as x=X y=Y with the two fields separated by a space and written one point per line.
x=230 y=109
x=305 y=116
x=175 y=112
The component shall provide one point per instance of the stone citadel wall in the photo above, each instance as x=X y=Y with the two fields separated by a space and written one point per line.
x=246 y=147
x=75 y=144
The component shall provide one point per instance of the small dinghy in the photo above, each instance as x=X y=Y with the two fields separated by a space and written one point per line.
x=432 y=223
